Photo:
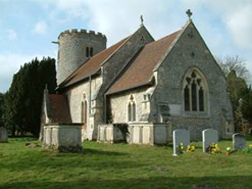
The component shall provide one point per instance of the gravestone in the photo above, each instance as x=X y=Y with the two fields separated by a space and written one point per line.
x=209 y=136
x=3 y=134
x=239 y=141
x=180 y=136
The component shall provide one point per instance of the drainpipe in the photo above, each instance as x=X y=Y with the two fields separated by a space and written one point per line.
x=105 y=108
x=90 y=94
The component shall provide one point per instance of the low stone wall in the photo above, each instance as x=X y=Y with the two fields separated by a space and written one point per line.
x=62 y=137
x=138 y=133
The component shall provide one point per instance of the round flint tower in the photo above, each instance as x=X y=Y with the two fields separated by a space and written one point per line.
x=75 y=47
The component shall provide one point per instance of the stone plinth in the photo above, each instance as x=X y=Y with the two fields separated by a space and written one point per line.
x=63 y=138
x=137 y=133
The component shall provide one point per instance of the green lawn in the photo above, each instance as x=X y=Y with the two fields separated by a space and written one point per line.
x=121 y=166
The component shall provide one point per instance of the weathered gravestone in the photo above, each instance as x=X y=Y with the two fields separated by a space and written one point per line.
x=180 y=136
x=239 y=141
x=3 y=134
x=209 y=136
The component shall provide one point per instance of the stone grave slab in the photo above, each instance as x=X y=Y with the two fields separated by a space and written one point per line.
x=209 y=136
x=239 y=141
x=180 y=136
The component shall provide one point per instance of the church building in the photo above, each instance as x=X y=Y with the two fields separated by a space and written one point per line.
x=151 y=87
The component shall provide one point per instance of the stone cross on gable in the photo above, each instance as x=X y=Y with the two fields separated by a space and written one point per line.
x=142 y=20
x=189 y=14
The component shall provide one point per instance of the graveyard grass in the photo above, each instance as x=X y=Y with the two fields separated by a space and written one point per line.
x=121 y=166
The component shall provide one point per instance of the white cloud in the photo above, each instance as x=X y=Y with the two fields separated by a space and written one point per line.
x=12 y=35
x=40 y=28
x=240 y=26
x=236 y=16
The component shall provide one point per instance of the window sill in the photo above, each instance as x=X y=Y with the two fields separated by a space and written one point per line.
x=196 y=114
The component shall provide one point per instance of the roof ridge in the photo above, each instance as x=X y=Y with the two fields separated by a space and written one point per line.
x=162 y=38
x=126 y=39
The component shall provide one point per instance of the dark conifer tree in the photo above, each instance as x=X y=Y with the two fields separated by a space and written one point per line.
x=24 y=99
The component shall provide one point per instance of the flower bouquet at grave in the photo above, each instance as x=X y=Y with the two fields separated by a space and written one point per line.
x=181 y=148
x=228 y=151
x=213 y=149
x=190 y=148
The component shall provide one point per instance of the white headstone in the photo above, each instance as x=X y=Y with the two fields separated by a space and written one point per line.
x=209 y=136
x=3 y=134
x=239 y=141
x=180 y=136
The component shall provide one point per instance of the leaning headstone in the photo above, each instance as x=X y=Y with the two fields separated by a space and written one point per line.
x=209 y=136
x=239 y=141
x=180 y=136
x=3 y=134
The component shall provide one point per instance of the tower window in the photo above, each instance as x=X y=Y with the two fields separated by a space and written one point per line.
x=91 y=51
x=87 y=51
x=195 y=92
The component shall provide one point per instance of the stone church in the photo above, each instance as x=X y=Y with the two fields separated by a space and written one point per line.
x=152 y=87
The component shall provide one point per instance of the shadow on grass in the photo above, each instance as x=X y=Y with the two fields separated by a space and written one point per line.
x=90 y=158
x=88 y=151
x=230 y=182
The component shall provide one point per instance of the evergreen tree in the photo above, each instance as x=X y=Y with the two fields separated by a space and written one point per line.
x=246 y=106
x=25 y=95
x=235 y=86
x=1 y=109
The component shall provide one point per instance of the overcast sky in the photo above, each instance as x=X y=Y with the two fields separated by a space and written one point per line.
x=29 y=26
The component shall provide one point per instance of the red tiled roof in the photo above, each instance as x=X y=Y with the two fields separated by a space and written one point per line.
x=141 y=68
x=59 y=109
x=92 y=65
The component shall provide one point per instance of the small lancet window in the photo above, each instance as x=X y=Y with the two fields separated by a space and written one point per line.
x=131 y=109
x=195 y=92
x=129 y=112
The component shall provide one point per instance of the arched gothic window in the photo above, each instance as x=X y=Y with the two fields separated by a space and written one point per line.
x=84 y=109
x=132 y=109
x=195 y=92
